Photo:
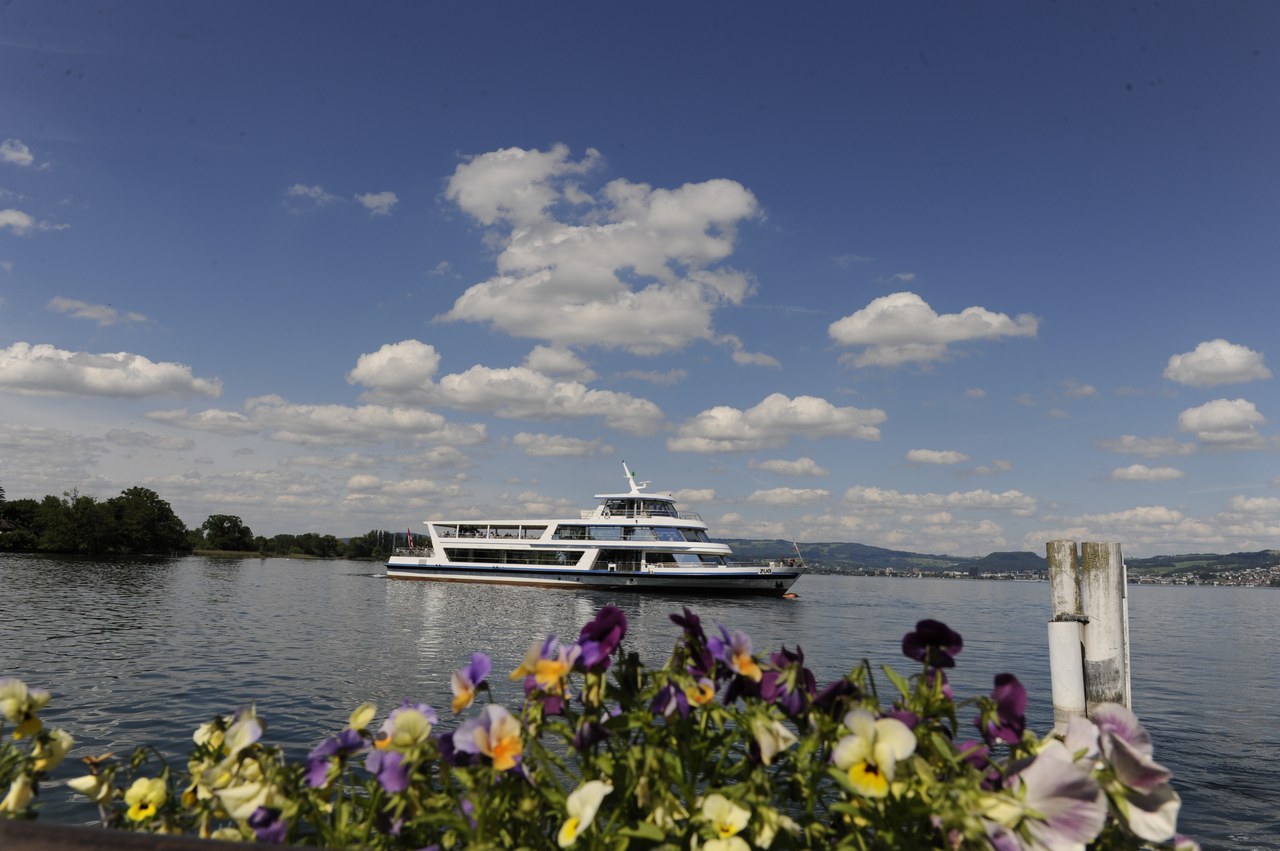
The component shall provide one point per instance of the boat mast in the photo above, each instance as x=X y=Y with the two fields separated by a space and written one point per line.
x=636 y=487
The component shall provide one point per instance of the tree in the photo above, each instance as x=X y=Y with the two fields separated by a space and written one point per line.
x=145 y=523
x=227 y=532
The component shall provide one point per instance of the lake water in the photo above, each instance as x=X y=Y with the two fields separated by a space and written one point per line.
x=144 y=651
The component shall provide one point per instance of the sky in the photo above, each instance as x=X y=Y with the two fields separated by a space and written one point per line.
x=947 y=277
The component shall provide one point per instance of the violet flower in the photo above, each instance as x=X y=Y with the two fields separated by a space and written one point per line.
x=389 y=769
x=1146 y=801
x=267 y=826
x=465 y=682
x=933 y=643
x=589 y=734
x=345 y=744
x=1058 y=805
x=789 y=684
x=1009 y=721
x=692 y=626
x=670 y=699
x=450 y=754
x=600 y=638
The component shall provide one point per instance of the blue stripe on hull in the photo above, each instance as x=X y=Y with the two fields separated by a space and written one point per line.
x=723 y=581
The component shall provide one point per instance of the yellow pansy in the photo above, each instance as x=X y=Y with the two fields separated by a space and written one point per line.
x=582 y=806
x=145 y=797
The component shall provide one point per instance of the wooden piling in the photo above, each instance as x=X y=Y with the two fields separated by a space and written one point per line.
x=1106 y=640
x=1066 y=643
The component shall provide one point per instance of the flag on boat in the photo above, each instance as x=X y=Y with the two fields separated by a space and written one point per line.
x=408 y=533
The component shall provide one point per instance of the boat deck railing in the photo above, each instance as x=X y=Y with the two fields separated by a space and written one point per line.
x=593 y=514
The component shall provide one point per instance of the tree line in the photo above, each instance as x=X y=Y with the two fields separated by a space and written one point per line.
x=139 y=522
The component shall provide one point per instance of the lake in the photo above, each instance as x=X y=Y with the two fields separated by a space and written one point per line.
x=141 y=652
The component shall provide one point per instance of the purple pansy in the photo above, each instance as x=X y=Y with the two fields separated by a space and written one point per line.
x=692 y=626
x=450 y=754
x=789 y=684
x=465 y=682
x=600 y=638
x=389 y=769
x=345 y=744
x=267 y=826
x=933 y=643
x=669 y=700
x=837 y=697
x=1009 y=721
x=1064 y=805
x=589 y=734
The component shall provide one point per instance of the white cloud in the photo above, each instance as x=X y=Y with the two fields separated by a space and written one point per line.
x=43 y=370
x=688 y=496
x=1265 y=505
x=143 y=440
x=16 y=221
x=1073 y=389
x=634 y=267
x=1216 y=362
x=772 y=422
x=788 y=496
x=936 y=456
x=1149 y=447
x=300 y=198
x=557 y=362
x=1012 y=501
x=901 y=328
x=1224 y=423
x=1143 y=473
x=975 y=393
x=326 y=425
x=671 y=376
x=14 y=152
x=519 y=392
x=103 y=314
x=378 y=203
x=397 y=367
x=798 y=467
x=558 y=445
x=999 y=465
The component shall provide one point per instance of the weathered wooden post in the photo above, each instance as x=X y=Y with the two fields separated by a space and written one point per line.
x=1106 y=640
x=1066 y=649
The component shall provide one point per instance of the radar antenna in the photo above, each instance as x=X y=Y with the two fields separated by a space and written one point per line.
x=636 y=487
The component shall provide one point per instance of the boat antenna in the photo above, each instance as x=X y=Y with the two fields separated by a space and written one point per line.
x=636 y=487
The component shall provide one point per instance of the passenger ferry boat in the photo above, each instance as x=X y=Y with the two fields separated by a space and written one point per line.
x=633 y=541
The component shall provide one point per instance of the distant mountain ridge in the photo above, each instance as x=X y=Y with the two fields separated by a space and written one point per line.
x=842 y=557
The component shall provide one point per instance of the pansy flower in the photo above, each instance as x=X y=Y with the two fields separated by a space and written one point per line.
x=268 y=826
x=727 y=820
x=771 y=737
x=788 y=683
x=702 y=692
x=1052 y=801
x=495 y=734
x=871 y=754
x=18 y=706
x=670 y=700
x=345 y=744
x=692 y=626
x=1142 y=793
x=599 y=638
x=933 y=643
x=389 y=770
x=465 y=682
x=549 y=664
x=1007 y=721
x=246 y=729
x=734 y=650
x=21 y=791
x=145 y=797
x=588 y=734
x=582 y=806
x=407 y=726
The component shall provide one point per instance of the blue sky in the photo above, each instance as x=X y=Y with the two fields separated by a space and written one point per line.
x=944 y=277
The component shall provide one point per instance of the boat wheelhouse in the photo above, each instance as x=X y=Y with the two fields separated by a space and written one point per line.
x=633 y=540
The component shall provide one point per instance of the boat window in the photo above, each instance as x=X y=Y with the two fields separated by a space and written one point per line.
x=657 y=508
x=697 y=536
x=464 y=555
x=667 y=533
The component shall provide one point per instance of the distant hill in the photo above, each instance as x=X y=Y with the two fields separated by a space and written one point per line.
x=840 y=557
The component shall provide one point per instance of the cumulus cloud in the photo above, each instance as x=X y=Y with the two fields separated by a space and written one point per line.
x=671 y=376
x=300 y=198
x=103 y=314
x=558 y=445
x=1224 y=423
x=1012 y=501
x=43 y=370
x=1216 y=362
x=143 y=440
x=936 y=456
x=520 y=393
x=14 y=152
x=1143 y=473
x=326 y=425
x=17 y=221
x=772 y=423
x=557 y=362
x=901 y=328
x=378 y=203
x=397 y=367
x=1074 y=389
x=788 y=496
x=798 y=467
x=632 y=267
x=1149 y=447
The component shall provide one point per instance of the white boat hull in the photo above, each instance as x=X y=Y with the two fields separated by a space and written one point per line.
x=726 y=580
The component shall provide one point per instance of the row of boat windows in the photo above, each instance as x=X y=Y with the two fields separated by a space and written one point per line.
x=640 y=508
x=572 y=532
x=596 y=532
x=607 y=559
